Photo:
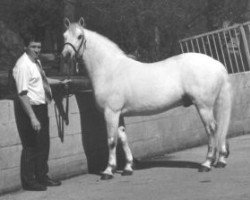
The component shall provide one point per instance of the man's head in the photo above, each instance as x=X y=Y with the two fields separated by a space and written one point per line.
x=32 y=46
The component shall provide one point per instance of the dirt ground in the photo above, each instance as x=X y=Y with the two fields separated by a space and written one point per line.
x=170 y=177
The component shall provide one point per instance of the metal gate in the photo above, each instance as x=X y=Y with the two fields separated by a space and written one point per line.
x=228 y=45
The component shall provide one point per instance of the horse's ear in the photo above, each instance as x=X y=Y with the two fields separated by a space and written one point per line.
x=82 y=22
x=66 y=22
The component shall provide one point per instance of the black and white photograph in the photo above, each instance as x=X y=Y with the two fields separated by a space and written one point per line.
x=124 y=100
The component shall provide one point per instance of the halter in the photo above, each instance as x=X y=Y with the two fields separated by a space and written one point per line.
x=83 y=42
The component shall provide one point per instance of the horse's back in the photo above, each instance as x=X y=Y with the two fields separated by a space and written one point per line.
x=176 y=70
x=198 y=62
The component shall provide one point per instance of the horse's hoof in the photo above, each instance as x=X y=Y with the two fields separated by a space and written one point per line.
x=127 y=173
x=114 y=170
x=106 y=177
x=204 y=169
x=213 y=164
x=220 y=165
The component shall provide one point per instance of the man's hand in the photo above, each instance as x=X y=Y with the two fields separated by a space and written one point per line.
x=66 y=83
x=53 y=81
x=24 y=99
x=35 y=124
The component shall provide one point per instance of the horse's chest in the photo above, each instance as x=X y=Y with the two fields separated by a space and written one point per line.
x=107 y=99
x=101 y=99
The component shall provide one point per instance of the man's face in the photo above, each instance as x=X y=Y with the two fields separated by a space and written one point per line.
x=34 y=49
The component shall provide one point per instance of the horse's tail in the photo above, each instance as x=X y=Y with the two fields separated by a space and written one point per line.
x=222 y=111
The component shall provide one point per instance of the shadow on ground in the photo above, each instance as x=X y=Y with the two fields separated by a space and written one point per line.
x=168 y=164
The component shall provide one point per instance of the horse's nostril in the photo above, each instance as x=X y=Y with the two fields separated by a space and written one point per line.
x=65 y=55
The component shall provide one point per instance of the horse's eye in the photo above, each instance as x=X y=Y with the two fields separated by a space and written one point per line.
x=79 y=37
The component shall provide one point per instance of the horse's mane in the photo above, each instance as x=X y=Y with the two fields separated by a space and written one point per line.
x=102 y=42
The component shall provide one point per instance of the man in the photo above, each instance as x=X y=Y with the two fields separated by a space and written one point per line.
x=34 y=94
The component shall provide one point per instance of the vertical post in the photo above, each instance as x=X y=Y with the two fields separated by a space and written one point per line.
x=228 y=53
x=203 y=43
x=182 y=51
x=232 y=48
x=245 y=43
x=192 y=44
x=186 y=43
x=197 y=42
x=222 y=52
x=209 y=46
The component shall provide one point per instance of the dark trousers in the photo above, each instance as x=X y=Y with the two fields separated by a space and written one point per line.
x=35 y=152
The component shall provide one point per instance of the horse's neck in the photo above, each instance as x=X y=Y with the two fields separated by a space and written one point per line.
x=95 y=62
x=99 y=59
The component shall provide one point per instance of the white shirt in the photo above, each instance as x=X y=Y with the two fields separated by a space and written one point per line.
x=28 y=78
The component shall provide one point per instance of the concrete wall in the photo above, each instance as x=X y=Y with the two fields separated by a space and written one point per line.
x=84 y=147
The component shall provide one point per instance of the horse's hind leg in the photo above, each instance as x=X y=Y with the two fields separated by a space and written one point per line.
x=128 y=154
x=222 y=115
x=208 y=120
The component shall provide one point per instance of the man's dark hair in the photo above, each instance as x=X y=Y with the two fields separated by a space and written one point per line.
x=28 y=37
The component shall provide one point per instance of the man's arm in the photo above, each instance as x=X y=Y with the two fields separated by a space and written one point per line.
x=53 y=81
x=24 y=99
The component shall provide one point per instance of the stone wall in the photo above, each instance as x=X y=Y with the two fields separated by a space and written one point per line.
x=84 y=146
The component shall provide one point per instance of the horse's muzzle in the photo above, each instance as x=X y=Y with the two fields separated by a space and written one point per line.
x=66 y=54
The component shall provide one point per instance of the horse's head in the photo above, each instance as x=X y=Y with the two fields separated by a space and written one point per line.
x=74 y=39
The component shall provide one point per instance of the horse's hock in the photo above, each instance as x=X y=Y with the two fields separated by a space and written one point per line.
x=84 y=147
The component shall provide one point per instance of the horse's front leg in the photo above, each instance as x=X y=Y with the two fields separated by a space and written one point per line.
x=112 y=121
x=128 y=170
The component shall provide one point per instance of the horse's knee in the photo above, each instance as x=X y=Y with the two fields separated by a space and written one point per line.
x=122 y=135
x=121 y=129
x=112 y=142
x=211 y=127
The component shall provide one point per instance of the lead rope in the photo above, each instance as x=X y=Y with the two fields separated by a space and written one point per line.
x=62 y=118
x=67 y=101
x=60 y=124
x=67 y=91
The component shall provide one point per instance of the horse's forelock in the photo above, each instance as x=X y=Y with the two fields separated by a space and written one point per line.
x=76 y=29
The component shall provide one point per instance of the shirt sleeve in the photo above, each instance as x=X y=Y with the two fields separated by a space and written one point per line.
x=21 y=76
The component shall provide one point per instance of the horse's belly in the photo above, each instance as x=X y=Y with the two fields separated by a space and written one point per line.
x=154 y=105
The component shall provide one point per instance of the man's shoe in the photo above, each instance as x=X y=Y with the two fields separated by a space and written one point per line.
x=34 y=187
x=50 y=182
